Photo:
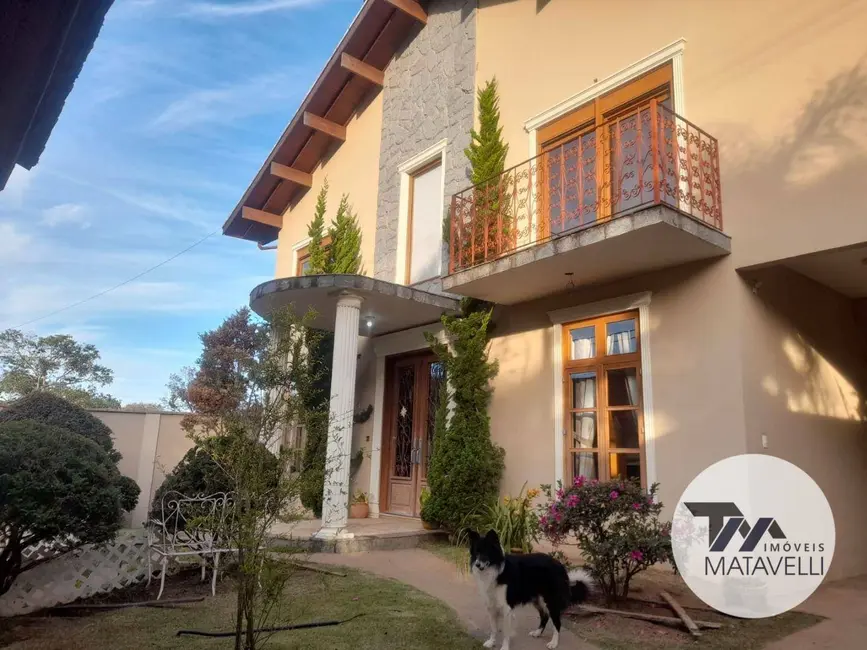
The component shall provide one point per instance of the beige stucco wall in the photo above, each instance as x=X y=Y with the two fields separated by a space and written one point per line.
x=730 y=361
x=172 y=444
x=362 y=433
x=151 y=444
x=127 y=430
x=805 y=386
x=779 y=83
x=351 y=167
x=698 y=418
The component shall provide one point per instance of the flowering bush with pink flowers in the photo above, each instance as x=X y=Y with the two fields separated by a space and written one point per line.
x=615 y=524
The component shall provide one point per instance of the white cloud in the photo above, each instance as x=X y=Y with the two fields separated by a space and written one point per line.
x=16 y=187
x=71 y=213
x=249 y=8
x=13 y=243
x=227 y=103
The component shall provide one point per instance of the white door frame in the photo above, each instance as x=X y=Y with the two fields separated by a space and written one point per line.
x=383 y=347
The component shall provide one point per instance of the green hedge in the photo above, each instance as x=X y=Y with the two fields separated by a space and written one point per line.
x=52 y=410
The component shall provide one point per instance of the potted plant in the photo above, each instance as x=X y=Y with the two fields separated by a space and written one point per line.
x=359 y=509
x=422 y=499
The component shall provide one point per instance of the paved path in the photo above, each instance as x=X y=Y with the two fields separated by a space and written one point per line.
x=442 y=580
x=844 y=603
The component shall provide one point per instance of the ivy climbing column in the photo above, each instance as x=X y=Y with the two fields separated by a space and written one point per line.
x=335 y=497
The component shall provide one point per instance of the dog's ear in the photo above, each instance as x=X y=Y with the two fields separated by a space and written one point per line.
x=491 y=537
x=474 y=537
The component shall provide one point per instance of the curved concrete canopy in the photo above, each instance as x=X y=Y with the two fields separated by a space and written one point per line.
x=388 y=307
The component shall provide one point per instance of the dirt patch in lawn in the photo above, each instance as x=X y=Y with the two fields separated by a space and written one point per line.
x=612 y=632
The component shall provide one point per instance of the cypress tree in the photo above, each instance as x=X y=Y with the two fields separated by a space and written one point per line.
x=487 y=151
x=344 y=256
x=466 y=465
x=316 y=231
x=487 y=157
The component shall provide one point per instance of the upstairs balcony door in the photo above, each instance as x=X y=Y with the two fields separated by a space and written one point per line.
x=414 y=385
x=593 y=161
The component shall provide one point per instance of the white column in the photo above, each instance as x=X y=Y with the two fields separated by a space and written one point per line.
x=335 y=497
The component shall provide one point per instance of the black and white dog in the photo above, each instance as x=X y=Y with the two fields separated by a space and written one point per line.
x=509 y=581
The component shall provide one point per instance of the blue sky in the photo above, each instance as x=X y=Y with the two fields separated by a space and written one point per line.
x=177 y=106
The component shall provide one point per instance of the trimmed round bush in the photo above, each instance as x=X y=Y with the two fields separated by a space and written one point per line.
x=198 y=474
x=55 y=485
x=53 y=410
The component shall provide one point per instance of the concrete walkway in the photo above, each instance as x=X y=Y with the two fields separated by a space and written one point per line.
x=844 y=603
x=442 y=580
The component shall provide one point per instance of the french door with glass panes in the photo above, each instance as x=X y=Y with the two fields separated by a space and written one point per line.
x=414 y=386
x=604 y=425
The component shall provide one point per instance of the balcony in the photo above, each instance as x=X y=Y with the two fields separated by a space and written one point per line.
x=637 y=193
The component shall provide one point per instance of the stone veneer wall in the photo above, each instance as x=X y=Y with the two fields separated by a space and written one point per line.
x=429 y=94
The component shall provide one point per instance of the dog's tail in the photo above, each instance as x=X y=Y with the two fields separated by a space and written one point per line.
x=580 y=584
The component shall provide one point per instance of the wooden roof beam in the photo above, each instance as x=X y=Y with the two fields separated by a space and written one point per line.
x=291 y=174
x=410 y=8
x=260 y=216
x=329 y=128
x=362 y=69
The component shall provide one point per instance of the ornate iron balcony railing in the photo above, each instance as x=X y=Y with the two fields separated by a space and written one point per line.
x=649 y=156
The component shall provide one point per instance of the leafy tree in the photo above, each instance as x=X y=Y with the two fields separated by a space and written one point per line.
x=316 y=249
x=55 y=411
x=55 y=486
x=344 y=255
x=219 y=381
x=147 y=407
x=244 y=391
x=466 y=466
x=58 y=364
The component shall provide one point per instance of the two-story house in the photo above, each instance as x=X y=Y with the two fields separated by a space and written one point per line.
x=677 y=249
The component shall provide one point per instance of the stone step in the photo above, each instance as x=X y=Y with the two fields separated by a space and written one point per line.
x=359 y=543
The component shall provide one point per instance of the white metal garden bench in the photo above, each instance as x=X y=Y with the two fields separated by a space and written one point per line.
x=190 y=527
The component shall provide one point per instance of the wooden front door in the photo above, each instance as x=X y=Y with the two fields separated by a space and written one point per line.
x=414 y=385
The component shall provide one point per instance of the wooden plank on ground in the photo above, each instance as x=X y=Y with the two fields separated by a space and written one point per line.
x=680 y=611
x=654 y=618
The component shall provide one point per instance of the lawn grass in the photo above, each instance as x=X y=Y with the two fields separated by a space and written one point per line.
x=457 y=555
x=394 y=616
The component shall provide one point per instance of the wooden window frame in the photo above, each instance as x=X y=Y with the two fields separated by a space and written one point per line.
x=597 y=115
x=303 y=254
x=600 y=364
x=433 y=164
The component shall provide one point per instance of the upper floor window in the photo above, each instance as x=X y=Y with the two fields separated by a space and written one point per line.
x=424 y=241
x=597 y=160
x=302 y=256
